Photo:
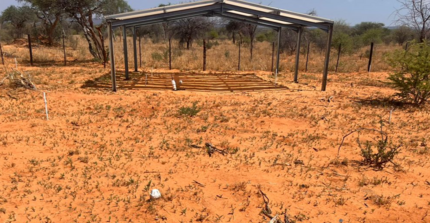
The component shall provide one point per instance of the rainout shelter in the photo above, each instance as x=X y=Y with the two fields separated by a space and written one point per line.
x=239 y=10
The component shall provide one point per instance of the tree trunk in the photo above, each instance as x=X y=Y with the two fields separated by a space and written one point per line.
x=423 y=34
x=234 y=38
x=51 y=30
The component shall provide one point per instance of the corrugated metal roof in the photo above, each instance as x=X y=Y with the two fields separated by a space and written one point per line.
x=262 y=15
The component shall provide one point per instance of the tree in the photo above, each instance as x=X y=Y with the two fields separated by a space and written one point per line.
x=363 y=27
x=250 y=30
x=372 y=36
x=18 y=18
x=288 y=42
x=243 y=29
x=49 y=12
x=342 y=36
x=412 y=73
x=415 y=13
x=319 y=38
x=187 y=30
x=234 y=27
x=83 y=12
x=403 y=34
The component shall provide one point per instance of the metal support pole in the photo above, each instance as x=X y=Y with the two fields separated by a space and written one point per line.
x=299 y=38
x=124 y=31
x=327 y=59
x=278 y=59
x=273 y=57
x=170 y=53
x=135 y=49
x=307 y=56
x=140 y=51
x=112 y=57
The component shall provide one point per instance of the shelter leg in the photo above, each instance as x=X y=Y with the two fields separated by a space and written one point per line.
x=327 y=59
x=299 y=38
x=279 y=54
x=112 y=57
x=135 y=49
x=124 y=30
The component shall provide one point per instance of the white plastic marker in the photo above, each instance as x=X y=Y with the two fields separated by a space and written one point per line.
x=146 y=78
x=46 y=106
x=174 y=84
x=155 y=194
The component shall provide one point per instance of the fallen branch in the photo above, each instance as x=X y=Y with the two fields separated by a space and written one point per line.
x=266 y=210
x=198 y=183
x=17 y=79
x=212 y=149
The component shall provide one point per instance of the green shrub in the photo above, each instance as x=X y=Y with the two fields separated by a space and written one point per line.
x=385 y=151
x=412 y=73
x=189 y=111
x=213 y=34
x=157 y=56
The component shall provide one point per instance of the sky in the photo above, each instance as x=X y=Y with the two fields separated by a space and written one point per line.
x=351 y=11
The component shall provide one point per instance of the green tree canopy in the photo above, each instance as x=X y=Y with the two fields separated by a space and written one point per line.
x=17 y=17
x=49 y=12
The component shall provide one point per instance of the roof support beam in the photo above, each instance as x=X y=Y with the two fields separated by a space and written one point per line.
x=274 y=16
x=257 y=21
x=275 y=10
x=169 y=15
x=170 y=7
x=166 y=20
x=241 y=19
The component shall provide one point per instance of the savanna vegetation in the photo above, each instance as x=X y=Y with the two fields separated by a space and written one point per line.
x=230 y=146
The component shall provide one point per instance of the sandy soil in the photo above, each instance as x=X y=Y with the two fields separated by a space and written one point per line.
x=101 y=153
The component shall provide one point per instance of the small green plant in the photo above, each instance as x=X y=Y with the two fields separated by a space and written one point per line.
x=189 y=111
x=227 y=54
x=157 y=56
x=412 y=75
x=385 y=151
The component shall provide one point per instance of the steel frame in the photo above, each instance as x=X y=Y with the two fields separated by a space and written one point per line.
x=221 y=8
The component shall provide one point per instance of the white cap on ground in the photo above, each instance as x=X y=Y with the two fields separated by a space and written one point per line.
x=155 y=194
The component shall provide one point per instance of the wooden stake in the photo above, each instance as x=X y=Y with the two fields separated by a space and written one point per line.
x=64 y=48
x=338 y=56
x=31 y=51
x=369 y=68
x=1 y=52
